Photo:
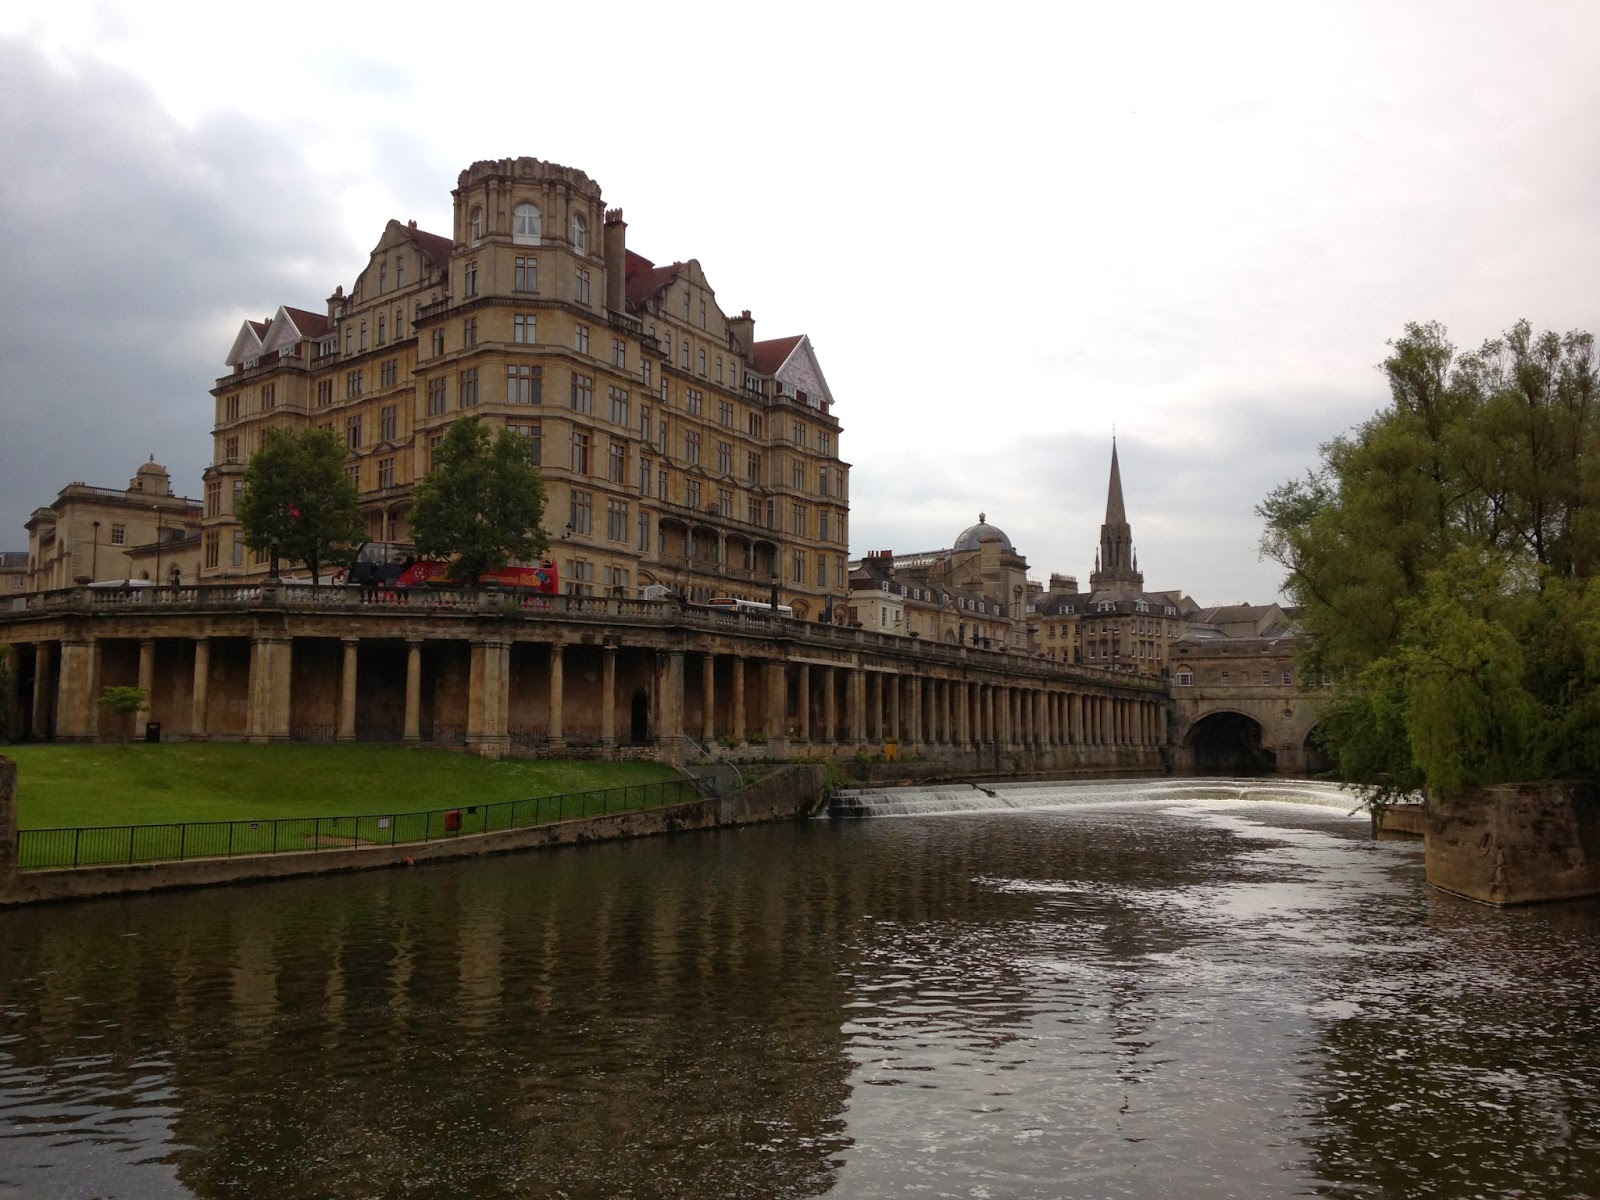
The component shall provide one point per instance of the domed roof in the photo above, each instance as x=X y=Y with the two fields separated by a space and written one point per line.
x=974 y=535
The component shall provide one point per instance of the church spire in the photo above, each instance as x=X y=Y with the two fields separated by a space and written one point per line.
x=1116 y=565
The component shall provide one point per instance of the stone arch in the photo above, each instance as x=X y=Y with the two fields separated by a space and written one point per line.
x=1229 y=742
x=1317 y=760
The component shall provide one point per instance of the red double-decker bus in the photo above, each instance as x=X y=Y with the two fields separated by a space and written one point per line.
x=396 y=565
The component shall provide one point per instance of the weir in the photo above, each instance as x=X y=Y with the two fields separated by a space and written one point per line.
x=963 y=797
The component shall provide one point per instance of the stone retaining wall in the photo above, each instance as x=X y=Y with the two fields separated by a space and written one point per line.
x=1516 y=843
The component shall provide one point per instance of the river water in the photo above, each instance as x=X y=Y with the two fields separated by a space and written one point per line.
x=1113 y=990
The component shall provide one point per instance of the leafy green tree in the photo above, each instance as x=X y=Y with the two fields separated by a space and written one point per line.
x=126 y=702
x=482 y=503
x=298 y=499
x=1445 y=554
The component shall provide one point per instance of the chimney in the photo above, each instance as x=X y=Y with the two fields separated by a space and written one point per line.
x=1063 y=583
x=742 y=329
x=616 y=261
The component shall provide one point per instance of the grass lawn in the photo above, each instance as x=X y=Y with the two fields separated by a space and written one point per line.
x=141 y=783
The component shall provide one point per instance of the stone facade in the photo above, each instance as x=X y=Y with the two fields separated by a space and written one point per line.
x=1515 y=843
x=676 y=449
x=97 y=534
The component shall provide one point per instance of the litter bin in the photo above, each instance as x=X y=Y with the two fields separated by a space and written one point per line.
x=152 y=731
x=452 y=821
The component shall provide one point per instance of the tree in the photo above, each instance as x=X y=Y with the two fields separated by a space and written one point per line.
x=1445 y=554
x=482 y=503
x=126 y=702
x=297 y=499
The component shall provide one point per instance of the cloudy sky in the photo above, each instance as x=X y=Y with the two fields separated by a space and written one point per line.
x=1007 y=228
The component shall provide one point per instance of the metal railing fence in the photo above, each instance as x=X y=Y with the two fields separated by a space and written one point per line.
x=122 y=845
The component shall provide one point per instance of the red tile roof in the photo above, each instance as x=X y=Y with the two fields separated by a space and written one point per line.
x=310 y=324
x=646 y=280
x=768 y=356
x=434 y=248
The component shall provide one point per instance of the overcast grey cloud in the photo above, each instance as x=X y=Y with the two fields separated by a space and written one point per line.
x=1007 y=231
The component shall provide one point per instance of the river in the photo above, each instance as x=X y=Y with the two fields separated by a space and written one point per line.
x=1139 y=989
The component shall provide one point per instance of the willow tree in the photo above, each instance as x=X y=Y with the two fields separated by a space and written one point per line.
x=1445 y=554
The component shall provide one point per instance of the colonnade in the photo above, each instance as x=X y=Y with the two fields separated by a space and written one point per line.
x=262 y=685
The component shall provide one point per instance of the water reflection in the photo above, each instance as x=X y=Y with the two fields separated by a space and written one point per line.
x=1135 y=993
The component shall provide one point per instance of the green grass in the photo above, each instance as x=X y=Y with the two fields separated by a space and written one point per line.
x=143 y=784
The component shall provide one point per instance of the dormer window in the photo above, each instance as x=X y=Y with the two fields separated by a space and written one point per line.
x=580 y=234
x=475 y=226
x=525 y=224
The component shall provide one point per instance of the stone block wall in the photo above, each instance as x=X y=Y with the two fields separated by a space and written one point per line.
x=1516 y=843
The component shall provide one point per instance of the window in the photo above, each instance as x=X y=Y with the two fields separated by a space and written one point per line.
x=702 y=362
x=757 y=425
x=581 y=513
x=389 y=422
x=580 y=452
x=436 y=401
x=580 y=338
x=644 y=423
x=693 y=402
x=213 y=498
x=363 y=337
x=797 y=475
x=213 y=548
x=725 y=501
x=469 y=332
x=532 y=434
x=752 y=510
x=691 y=447
x=524 y=328
x=617 y=579
x=383 y=328
x=719 y=370
x=797 y=567
x=525 y=277
x=349 y=340
x=800 y=434
x=822 y=481
x=724 y=414
x=269 y=396
x=618 y=463
x=580 y=234
x=385 y=472
x=822 y=524
x=580 y=577
x=399 y=282
x=525 y=224
x=824 y=442
x=724 y=458
x=434 y=442
x=683 y=351
x=475 y=226
x=822 y=570
x=1186 y=678
x=1266 y=678
x=702 y=326
x=469 y=278
x=352 y=432
x=1224 y=677
x=797 y=520
x=662 y=444
x=230 y=408
x=468 y=397
x=752 y=467
x=524 y=384
x=619 y=406
x=691 y=492
x=581 y=286
x=582 y=394
x=438 y=342
x=644 y=476
x=352 y=384
x=238 y=548
x=619 y=353
x=617 y=520
x=1288 y=678
x=119 y=535
x=644 y=374
x=662 y=484
x=230 y=449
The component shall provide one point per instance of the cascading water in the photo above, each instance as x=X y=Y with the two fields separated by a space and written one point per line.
x=963 y=797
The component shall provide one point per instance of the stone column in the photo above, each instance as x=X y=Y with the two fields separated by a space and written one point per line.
x=78 y=691
x=347 y=691
x=147 y=671
x=777 y=701
x=803 y=698
x=553 y=732
x=894 y=709
x=830 y=715
x=672 y=697
x=412 y=734
x=270 y=669
x=202 y=689
x=608 y=696
x=858 y=706
x=41 y=689
x=708 y=699
x=488 y=700
x=875 y=707
x=737 y=725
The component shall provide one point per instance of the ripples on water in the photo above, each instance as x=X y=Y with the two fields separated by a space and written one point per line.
x=1121 y=990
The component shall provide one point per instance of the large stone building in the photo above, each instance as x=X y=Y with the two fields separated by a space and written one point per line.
x=96 y=534
x=676 y=448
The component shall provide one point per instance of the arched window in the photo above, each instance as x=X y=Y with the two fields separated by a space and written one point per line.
x=580 y=234
x=476 y=226
x=525 y=224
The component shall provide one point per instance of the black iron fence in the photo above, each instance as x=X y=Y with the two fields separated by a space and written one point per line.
x=119 y=845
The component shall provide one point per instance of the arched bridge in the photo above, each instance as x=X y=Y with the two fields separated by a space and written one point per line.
x=1239 y=709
